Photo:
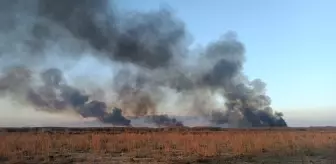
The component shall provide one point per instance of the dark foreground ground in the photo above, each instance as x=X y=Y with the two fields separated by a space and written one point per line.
x=167 y=145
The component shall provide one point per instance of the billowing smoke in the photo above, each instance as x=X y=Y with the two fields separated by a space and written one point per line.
x=45 y=48
x=54 y=95
x=164 y=120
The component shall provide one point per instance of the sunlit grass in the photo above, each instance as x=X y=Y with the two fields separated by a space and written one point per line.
x=165 y=145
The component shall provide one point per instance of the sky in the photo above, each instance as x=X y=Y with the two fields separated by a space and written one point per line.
x=289 y=44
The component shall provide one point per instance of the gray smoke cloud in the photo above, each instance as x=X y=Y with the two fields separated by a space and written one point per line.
x=84 y=56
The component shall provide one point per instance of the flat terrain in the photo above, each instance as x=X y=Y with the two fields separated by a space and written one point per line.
x=167 y=145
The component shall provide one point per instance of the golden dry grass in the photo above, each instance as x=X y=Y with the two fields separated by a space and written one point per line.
x=167 y=146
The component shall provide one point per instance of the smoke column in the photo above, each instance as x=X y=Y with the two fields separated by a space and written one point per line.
x=85 y=58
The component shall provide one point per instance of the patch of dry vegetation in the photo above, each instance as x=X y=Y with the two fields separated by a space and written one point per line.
x=167 y=146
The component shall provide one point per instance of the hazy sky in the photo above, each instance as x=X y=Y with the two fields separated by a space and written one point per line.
x=289 y=43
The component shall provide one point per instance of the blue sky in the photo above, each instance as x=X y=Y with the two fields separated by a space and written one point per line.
x=289 y=43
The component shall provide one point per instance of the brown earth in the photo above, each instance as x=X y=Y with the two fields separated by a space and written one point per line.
x=167 y=145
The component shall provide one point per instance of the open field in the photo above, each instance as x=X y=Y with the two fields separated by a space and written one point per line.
x=167 y=145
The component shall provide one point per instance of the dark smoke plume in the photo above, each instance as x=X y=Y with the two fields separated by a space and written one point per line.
x=56 y=94
x=164 y=120
x=148 y=54
x=116 y=118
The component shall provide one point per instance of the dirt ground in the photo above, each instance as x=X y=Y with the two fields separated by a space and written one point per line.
x=176 y=146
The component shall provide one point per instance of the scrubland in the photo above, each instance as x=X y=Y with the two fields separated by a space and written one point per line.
x=170 y=145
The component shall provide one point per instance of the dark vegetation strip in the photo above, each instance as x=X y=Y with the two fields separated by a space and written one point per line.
x=146 y=129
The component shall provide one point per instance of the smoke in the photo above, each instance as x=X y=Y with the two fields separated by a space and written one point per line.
x=84 y=56
x=164 y=120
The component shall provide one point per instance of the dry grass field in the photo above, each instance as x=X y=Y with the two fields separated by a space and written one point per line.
x=184 y=145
